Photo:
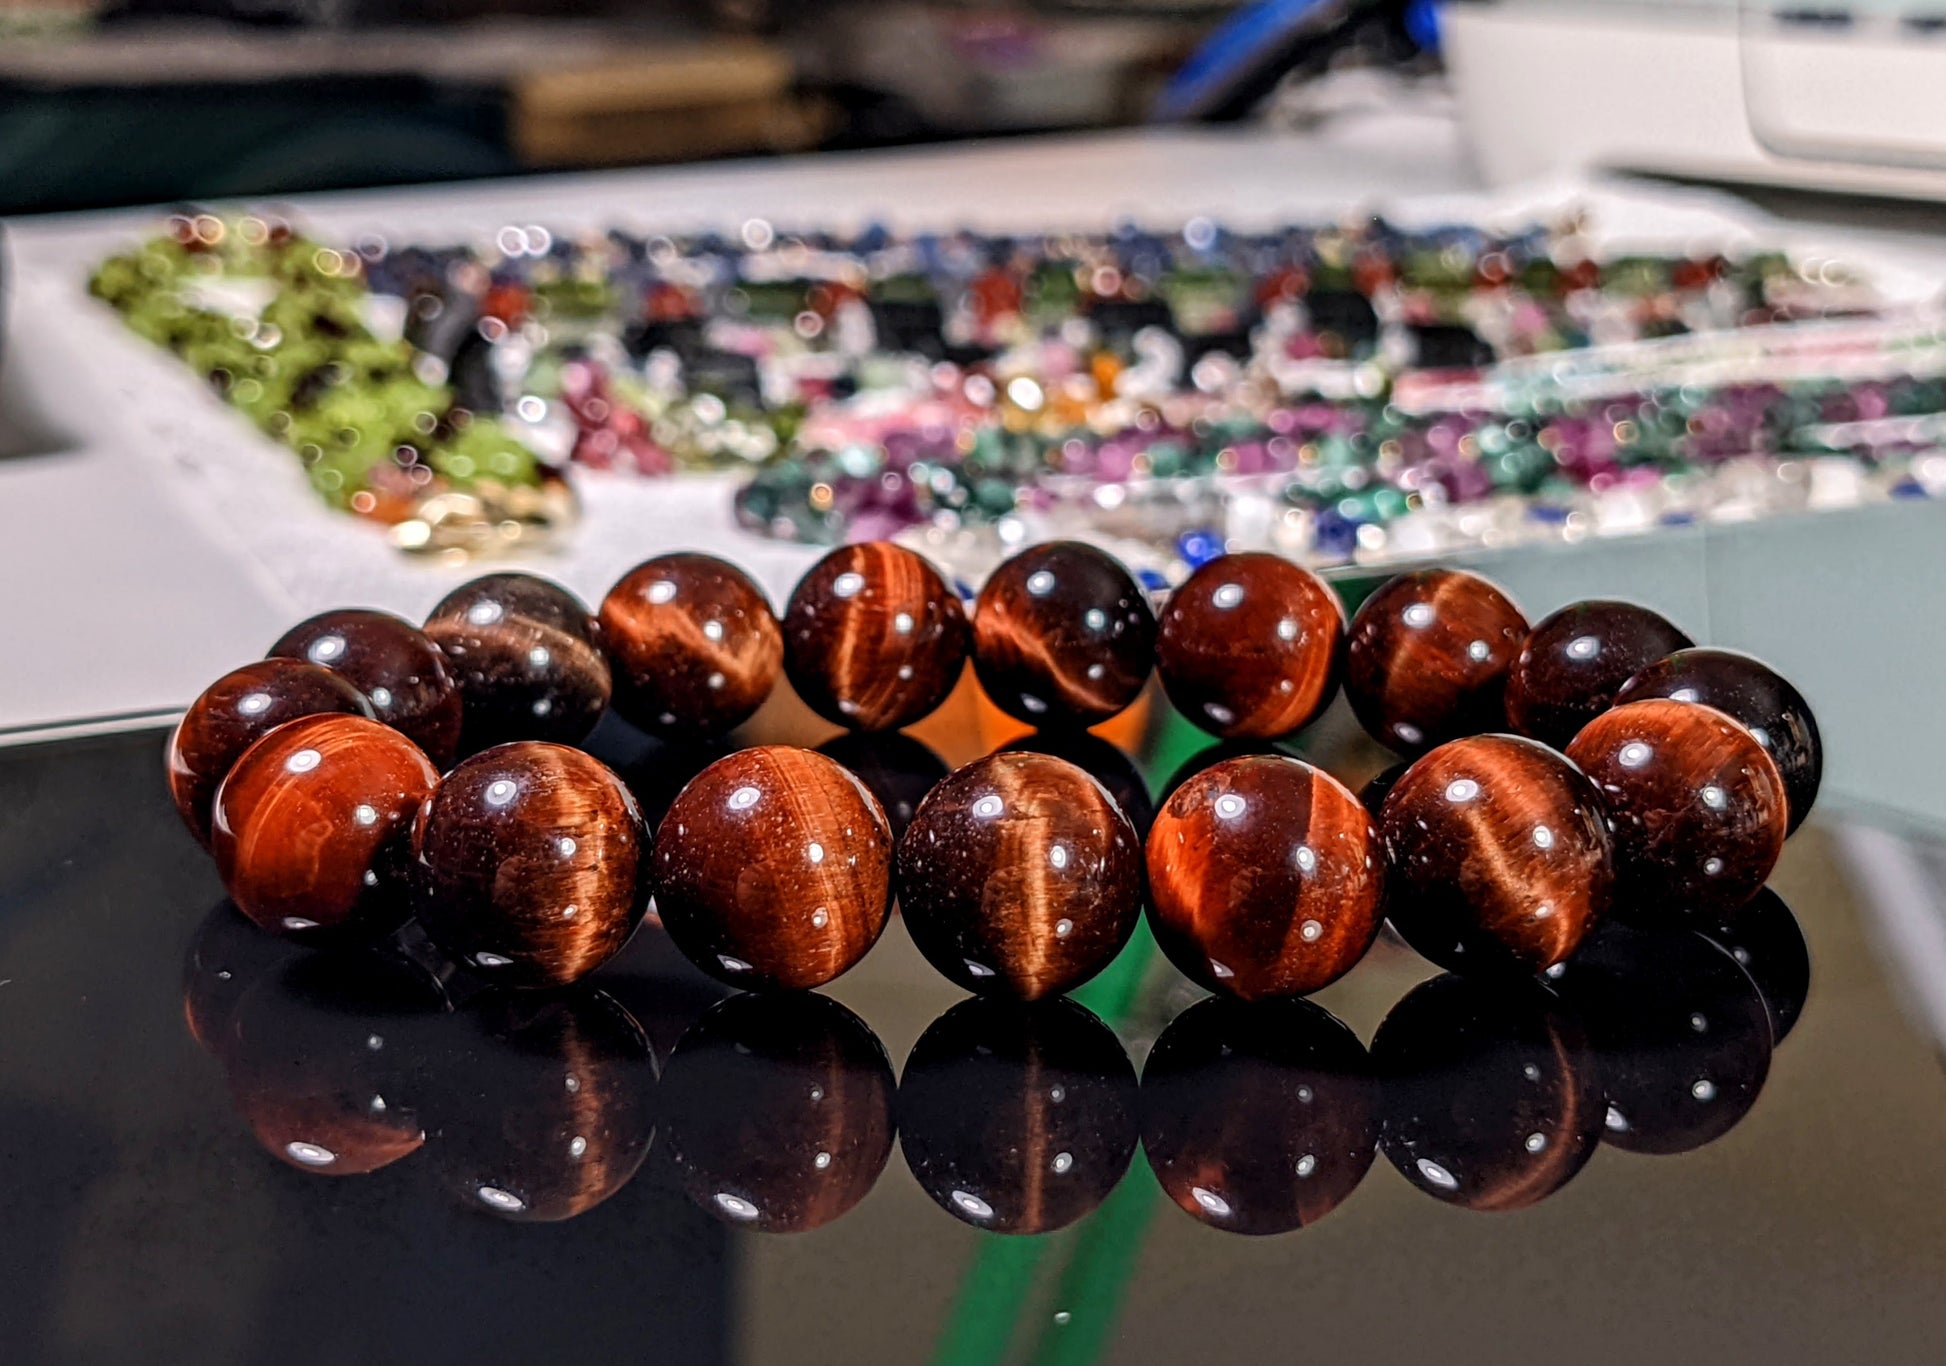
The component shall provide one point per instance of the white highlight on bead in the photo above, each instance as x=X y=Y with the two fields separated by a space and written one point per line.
x=847 y=585
x=303 y=761
x=1227 y=595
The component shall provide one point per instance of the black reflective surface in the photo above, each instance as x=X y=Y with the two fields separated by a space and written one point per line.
x=220 y=1148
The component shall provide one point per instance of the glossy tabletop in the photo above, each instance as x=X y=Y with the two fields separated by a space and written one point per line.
x=367 y=1166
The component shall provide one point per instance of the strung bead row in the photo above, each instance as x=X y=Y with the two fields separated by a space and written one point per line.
x=1020 y=874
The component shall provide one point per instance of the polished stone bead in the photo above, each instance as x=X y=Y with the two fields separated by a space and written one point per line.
x=1427 y=657
x=1681 y=1034
x=873 y=637
x=391 y=661
x=235 y=712
x=527 y=656
x=1497 y=854
x=778 y=1110
x=1258 y=1117
x=1493 y=1100
x=543 y=1103
x=1062 y=635
x=1265 y=878
x=312 y=826
x=1017 y=1117
x=773 y=869
x=1749 y=691
x=1697 y=806
x=1020 y=876
x=1574 y=662
x=533 y=864
x=1107 y=763
x=694 y=645
x=1248 y=647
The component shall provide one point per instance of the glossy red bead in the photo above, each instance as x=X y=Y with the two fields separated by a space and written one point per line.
x=1497 y=853
x=694 y=644
x=235 y=712
x=1427 y=658
x=533 y=864
x=773 y=869
x=1698 y=807
x=1020 y=876
x=873 y=637
x=312 y=825
x=1062 y=635
x=1264 y=878
x=1249 y=646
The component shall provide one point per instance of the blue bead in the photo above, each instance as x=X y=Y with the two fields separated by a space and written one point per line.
x=1198 y=548
x=1151 y=580
x=1334 y=533
x=1908 y=488
x=1678 y=519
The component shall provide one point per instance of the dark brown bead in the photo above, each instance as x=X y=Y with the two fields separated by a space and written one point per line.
x=873 y=637
x=1264 y=878
x=1020 y=876
x=1427 y=658
x=312 y=826
x=773 y=869
x=527 y=656
x=1749 y=691
x=694 y=644
x=235 y=712
x=1062 y=634
x=1017 y=1117
x=1697 y=806
x=1258 y=1117
x=778 y=1110
x=533 y=864
x=1497 y=855
x=316 y=1066
x=1680 y=1032
x=543 y=1103
x=1249 y=646
x=1493 y=1100
x=895 y=768
x=387 y=658
x=1574 y=662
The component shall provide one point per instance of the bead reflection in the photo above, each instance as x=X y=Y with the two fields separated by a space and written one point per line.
x=1017 y=1118
x=1492 y=1098
x=1681 y=1034
x=895 y=768
x=540 y=1105
x=321 y=1059
x=1258 y=1118
x=1765 y=940
x=227 y=955
x=778 y=1111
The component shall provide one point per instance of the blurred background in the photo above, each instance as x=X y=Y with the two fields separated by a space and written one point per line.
x=106 y=102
